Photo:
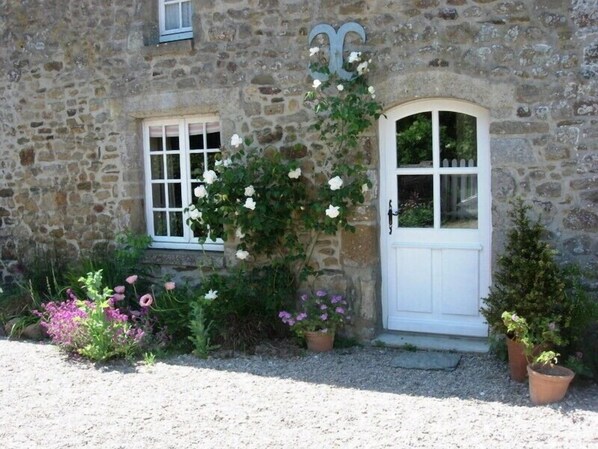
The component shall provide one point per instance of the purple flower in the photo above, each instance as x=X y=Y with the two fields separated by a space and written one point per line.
x=323 y=307
x=304 y=297
x=340 y=310
x=301 y=316
x=336 y=299
x=321 y=293
x=284 y=315
x=324 y=316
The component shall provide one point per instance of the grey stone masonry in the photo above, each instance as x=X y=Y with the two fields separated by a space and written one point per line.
x=78 y=77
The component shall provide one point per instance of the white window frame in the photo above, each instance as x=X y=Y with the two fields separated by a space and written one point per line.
x=178 y=33
x=187 y=241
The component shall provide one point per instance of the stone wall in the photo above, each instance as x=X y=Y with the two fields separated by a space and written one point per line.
x=77 y=78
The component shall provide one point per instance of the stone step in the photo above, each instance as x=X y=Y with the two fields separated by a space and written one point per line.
x=432 y=341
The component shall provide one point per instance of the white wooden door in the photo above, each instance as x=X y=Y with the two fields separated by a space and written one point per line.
x=435 y=244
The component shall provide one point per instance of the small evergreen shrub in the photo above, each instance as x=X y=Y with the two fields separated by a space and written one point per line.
x=528 y=280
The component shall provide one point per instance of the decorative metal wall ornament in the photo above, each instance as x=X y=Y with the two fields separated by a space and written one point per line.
x=337 y=41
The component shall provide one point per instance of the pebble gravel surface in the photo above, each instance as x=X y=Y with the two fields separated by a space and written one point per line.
x=350 y=398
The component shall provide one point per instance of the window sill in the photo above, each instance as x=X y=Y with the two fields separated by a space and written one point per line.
x=184 y=46
x=183 y=258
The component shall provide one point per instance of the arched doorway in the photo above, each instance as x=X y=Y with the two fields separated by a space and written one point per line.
x=435 y=209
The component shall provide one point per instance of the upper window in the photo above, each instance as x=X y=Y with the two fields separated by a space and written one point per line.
x=175 y=20
x=176 y=153
x=437 y=165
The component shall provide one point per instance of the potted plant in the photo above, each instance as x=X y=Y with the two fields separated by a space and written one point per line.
x=529 y=282
x=548 y=382
x=318 y=317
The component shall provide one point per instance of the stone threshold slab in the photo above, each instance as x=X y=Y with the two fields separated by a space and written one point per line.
x=432 y=342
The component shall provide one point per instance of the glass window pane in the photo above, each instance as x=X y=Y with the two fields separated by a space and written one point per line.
x=157 y=167
x=416 y=204
x=176 y=224
x=171 y=17
x=172 y=138
x=414 y=140
x=213 y=135
x=155 y=133
x=174 y=195
x=458 y=138
x=158 y=198
x=459 y=201
x=160 y=223
x=196 y=162
x=212 y=160
x=186 y=12
x=196 y=136
x=173 y=166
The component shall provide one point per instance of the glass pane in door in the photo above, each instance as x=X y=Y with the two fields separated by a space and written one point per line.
x=458 y=139
x=416 y=201
x=414 y=140
x=459 y=201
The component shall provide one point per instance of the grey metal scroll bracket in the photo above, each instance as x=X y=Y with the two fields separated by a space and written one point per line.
x=337 y=41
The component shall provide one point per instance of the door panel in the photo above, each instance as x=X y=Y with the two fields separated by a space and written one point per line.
x=460 y=291
x=414 y=275
x=434 y=175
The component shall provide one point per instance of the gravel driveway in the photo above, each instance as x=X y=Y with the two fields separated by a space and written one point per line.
x=347 y=399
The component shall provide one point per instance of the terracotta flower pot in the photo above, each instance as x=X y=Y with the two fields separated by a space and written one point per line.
x=547 y=383
x=319 y=341
x=517 y=360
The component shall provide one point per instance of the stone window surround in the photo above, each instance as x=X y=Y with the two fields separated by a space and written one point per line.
x=133 y=109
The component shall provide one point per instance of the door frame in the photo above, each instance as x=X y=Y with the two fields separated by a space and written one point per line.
x=386 y=126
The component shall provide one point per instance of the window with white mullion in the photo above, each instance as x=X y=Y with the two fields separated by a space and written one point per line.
x=176 y=155
x=175 y=20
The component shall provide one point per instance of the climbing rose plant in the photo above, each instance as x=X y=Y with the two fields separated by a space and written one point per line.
x=273 y=206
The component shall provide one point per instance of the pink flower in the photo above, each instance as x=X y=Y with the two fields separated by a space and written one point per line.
x=118 y=296
x=169 y=286
x=132 y=279
x=146 y=300
x=120 y=289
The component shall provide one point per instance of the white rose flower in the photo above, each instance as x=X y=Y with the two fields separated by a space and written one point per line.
x=316 y=84
x=200 y=191
x=242 y=254
x=371 y=90
x=333 y=211
x=340 y=87
x=364 y=188
x=236 y=140
x=239 y=233
x=209 y=176
x=294 y=174
x=211 y=295
x=249 y=191
x=194 y=214
x=354 y=56
x=335 y=183
x=227 y=162
x=362 y=68
x=373 y=96
x=313 y=51
x=249 y=203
